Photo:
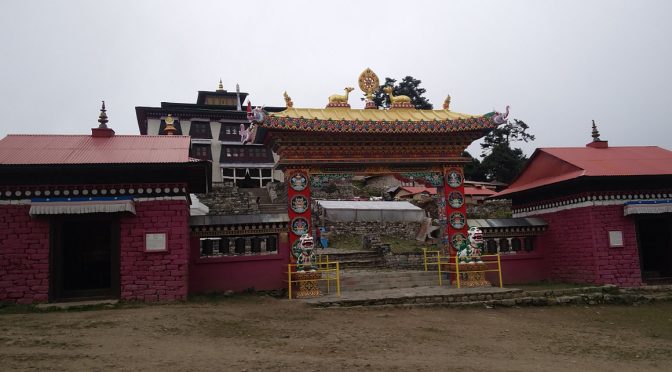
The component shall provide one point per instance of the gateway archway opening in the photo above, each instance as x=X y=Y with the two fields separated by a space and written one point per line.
x=654 y=236
x=85 y=257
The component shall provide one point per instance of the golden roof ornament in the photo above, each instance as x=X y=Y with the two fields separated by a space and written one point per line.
x=369 y=83
x=340 y=100
x=398 y=101
x=102 y=118
x=446 y=103
x=288 y=100
x=170 y=128
x=220 y=87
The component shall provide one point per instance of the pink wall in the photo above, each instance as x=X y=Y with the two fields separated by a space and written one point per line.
x=155 y=276
x=24 y=256
x=218 y=274
x=577 y=246
x=523 y=267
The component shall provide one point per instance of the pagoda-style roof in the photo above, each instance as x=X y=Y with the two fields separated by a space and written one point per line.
x=402 y=120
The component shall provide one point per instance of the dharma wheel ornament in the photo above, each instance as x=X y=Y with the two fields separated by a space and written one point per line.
x=369 y=83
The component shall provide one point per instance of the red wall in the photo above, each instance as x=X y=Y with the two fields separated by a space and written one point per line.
x=522 y=267
x=155 y=276
x=577 y=246
x=219 y=274
x=24 y=256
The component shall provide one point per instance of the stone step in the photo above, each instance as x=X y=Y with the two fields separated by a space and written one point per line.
x=363 y=280
x=433 y=296
x=360 y=264
x=418 y=296
x=272 y=208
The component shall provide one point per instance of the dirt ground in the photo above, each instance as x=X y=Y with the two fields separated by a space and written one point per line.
x=253 y=333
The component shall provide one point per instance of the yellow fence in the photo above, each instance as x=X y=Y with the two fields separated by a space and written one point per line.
x=434 y=258
x=327 y=271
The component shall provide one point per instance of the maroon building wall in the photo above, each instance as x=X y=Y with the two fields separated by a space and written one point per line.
x=577 y=246
x=155 y=276
x=219 y=274
x=24 y=256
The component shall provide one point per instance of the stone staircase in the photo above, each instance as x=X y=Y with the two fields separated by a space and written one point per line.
x=264 y=201
x=352 y=259
x=371 y=280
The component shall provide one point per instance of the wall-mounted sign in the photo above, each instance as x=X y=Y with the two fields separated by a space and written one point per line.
x=155 y=242
x=615 y=238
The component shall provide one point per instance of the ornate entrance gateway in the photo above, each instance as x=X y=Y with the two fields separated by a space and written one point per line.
x=318 y=145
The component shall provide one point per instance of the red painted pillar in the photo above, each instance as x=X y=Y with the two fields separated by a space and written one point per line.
x=298 y=208
x=456 y=207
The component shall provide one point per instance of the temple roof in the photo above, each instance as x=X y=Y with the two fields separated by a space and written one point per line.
x=376 y=121
x=333 y=113
x=549 y=166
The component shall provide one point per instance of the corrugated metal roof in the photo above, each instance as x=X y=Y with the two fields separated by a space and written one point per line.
x=506 y=222
x=368 y=205
x=85 y=149
x=616 y=161
x=478 y=191
x=412 y=190
x=590 y=162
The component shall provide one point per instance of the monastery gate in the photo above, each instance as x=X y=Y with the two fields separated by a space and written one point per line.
x=316 y=146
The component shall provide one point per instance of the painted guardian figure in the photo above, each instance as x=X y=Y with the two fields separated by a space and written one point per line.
x=305 y=256
x=470 y=250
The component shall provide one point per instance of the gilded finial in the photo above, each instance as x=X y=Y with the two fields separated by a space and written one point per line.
x=102 y=118
x=170 y=128
x=220 y=87
x=596 y=133
x=446 y=103
x=368 y=83
x=288 y=100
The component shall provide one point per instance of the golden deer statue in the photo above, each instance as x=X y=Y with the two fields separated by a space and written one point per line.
x=396 y=99
x=338 y=98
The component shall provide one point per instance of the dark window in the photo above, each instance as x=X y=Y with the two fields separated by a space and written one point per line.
x=206 y=247
x=515 y=244
x=224 y=246
x=271 y=244
x=529 y=244
x=492 y=246
x=256 y=245
x=229 y=133
x=201 y=152
x=504 y=245
x=200 y=129
x=240 y=246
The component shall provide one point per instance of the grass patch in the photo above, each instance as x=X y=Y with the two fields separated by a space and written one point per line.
x=399 y=245
x=346 y=242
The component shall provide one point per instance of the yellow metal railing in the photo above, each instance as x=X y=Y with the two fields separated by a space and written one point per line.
x=434 y=258
x=329 y=272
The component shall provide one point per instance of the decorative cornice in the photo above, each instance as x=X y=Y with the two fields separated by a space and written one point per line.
x=356 y=126
x=138 y=190
x=588 y=200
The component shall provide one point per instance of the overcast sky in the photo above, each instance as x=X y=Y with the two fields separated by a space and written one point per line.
x=558 y=64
